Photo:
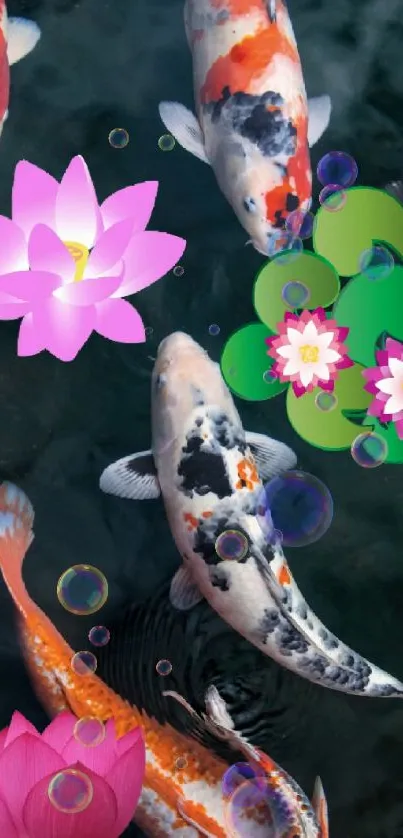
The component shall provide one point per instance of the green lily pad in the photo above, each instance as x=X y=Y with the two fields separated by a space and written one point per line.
x=333 y=431
x=244 y=361
x=314 y=272
x=389 y=434
x=369 y=308
x=367 y=216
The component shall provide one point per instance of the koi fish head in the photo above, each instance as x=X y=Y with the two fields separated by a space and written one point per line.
x=184 y=377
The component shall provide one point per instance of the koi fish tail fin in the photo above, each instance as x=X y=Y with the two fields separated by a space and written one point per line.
x=319 y=805
x=16 y=535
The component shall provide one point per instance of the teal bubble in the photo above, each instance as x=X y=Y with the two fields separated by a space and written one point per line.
x=376 y=263
x=82 y=589
x=166 y=142
x=119 y=138
x=295 y=294
x=326 y=401
x=332 y=197
x=369 y=450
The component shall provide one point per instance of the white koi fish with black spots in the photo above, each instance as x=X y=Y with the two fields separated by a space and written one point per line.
x=254 y=125
x=210 y=472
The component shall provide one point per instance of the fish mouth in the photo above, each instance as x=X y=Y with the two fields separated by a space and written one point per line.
x=177 y=347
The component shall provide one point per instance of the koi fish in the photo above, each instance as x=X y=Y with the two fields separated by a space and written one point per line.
x=18 y=37
x=174 y=803
x=210 y=473
x=254 y=125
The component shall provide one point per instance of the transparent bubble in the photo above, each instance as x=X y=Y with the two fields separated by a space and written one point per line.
x=332 y=197
x=149 y=331
x=214 y=329
x=248 y=809
x=300 y=223
x=295 y=294
x=99 y=636
x=178 y=270
x=89 y=731
x=369 y=450
x=235 y=775
x=376 y=263
x=232 y=544
x=84 y=663
x=300 y=506
x=166 y=142
x=82 y=589
x=326 y=401
x=181 y=763
x=284 y=246
x=70 y=791
x=164 y=667
x=337 y=167
x=269 y=376
x=119 y=138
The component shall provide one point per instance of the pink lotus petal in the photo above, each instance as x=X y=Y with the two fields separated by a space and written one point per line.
x=78 y=218
x=30 y=340
x=11 y=308
x=134 y=202
x=299 y=390
x=109 y=249
x=119 y=321
x=3 y=737
x=33 y=197
x=326 y=385
x=149 y=256
x=88 y=291
x=62 y=328
x=30 y=286
x=43 y=820
x=13 y=251
x=59 y=731
x=126 y=778
x=19 y=725
x=7 y=828
x=394 y=348
x=399 y=428
x=23 y=764
x=99 y=758
x=129 y=740
x=47 y=253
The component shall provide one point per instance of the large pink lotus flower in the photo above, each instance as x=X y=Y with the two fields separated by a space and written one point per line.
x=29 y=761
x=308 y=351
x=385 y=382
x=66 y=263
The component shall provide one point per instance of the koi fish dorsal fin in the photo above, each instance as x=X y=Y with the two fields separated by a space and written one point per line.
x=184 y=126
x=319 y=115
x=272 y=457
x=319 y=805
x=133 y=477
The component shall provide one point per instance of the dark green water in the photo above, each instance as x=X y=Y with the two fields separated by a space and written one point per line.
x=101 y=65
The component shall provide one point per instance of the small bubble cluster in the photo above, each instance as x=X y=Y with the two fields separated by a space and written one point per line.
x=179 y=270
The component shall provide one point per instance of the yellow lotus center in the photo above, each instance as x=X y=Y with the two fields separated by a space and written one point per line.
x=80 y=255
x=309 y=354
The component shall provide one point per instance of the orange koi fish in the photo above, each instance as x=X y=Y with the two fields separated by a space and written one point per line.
x=185 y=803
x=254 y=124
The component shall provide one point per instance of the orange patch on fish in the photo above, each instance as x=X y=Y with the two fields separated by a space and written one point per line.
x=246 y=61
x=206 y=514
x=284 y=575
x=248 y=476
x=191 y=521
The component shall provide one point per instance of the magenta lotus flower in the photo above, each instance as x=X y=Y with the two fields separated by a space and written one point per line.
x=66 y=262
x=29 y=761
x=385 y=382
x=308 y=351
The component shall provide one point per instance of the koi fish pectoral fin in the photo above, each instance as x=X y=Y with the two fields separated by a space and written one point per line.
x=184 y=126
x=184 y=593
x=272 y=457
x=320 y=109
x=133 y=477
x=319 y=805
x=22 y=36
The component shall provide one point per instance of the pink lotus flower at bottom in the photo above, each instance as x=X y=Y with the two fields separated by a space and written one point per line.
x=29 y=761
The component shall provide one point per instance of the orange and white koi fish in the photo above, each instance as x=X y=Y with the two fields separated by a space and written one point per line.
x=254 y=125
x=18 y=37
x=210 y=473
x=175 y=803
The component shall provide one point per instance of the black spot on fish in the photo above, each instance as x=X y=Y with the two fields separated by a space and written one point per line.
x=198 y=421
x=290 y=640
x=269 y=622
x=259 y=119
x=202 y=470
x=279 y=220
x=302 y=611
x=220 y=579
x=226 y=433
x=385 y=690
x=291 y=202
